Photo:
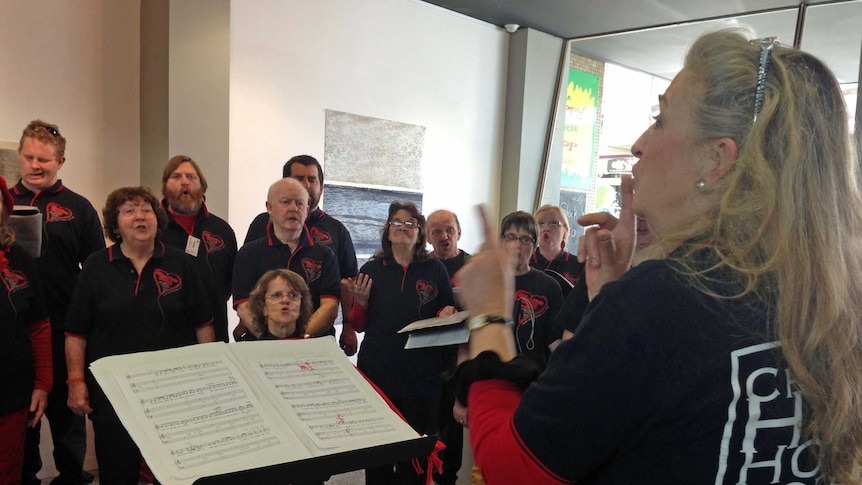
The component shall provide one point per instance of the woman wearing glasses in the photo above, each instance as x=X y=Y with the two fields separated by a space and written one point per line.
x=732 y=357
x=281 y=304
x=399 y=285
x=551 y=255
x=538 y=297
x=135 y=296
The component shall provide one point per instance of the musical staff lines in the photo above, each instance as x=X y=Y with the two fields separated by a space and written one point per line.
x=218 y=408
x=231 y=446
x=327 y=401
x=200 y=412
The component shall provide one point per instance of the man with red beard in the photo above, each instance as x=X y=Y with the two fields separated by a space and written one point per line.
x=206 y=238
x=71 y=232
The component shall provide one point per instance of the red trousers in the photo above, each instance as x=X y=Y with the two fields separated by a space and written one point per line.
x=13 y=427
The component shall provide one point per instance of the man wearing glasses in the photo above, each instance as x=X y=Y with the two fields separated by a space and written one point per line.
x=288 y=245
x=205 y=237
x=71 y=232
x=325 y=230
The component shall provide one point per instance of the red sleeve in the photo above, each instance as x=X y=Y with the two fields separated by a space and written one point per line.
x=357 y=318
x=497 y=448
x=40 y=342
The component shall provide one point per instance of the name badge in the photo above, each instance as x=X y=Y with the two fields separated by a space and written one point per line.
x=192 y=246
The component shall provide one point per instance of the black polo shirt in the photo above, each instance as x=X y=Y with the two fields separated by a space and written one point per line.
x=120 y=311
x=537 y=300
x=399 y=296
x=565 y=269
x=21 y=305
x=213 y=260
x=453 y=265
x=325 y=230
x=316 y=264
x=330 y=232
x=71 y=232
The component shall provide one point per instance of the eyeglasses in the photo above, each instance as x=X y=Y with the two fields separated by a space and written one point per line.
x=407 y=224
x=52 y=131
x=179 y=176
x=130 y=210
x=552 y=224
x=279 y=295
x=525 y=240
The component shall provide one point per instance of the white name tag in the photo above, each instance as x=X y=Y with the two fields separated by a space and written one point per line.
x=192 y=246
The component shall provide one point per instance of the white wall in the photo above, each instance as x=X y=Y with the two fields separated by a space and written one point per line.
x=75 y=63
x=400 y=60
x=198 y=94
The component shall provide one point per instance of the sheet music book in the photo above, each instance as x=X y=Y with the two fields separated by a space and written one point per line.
x=218 y=408
x=26 y=221
x=437 y=331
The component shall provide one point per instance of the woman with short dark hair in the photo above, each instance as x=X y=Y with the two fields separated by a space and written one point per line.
x=135 y=296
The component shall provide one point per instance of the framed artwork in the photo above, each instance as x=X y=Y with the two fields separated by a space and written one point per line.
x=9 y=168
x=364 y=210
x=369 y=163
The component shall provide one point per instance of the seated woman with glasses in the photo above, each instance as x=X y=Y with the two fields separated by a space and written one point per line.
x=551 y=256
x=408 y=285
x=538 y=297
x=281 y=304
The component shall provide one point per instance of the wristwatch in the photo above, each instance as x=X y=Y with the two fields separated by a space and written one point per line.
x=479 y=321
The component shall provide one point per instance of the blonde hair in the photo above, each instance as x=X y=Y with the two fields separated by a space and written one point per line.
x=788 y=225
x=555 y=209
x=44 y=132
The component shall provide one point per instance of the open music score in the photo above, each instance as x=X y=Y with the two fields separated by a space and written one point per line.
x=216 y=408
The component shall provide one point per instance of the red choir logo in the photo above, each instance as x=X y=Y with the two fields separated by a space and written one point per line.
x=55 y=212
x=14 y=280
x=167 y=282
x=530 y=305
x=426 y=291
x=320 y=236
x=212 y=242
x=311 y=269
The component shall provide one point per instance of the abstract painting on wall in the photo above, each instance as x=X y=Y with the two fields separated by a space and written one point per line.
x=370 y=162
x=9 y=167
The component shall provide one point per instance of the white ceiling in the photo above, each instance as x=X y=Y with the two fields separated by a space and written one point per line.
x=652 y=35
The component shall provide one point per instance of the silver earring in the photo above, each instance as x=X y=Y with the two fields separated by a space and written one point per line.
x=700 y=185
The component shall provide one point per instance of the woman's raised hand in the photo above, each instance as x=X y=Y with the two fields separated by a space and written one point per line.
x=608 y=244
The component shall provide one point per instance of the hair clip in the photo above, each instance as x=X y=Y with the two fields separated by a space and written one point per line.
x=767 y=44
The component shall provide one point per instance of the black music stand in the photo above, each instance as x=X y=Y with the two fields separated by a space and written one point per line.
x=320 y=467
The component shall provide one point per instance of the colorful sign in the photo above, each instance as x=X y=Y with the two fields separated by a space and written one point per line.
x=582 y=100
